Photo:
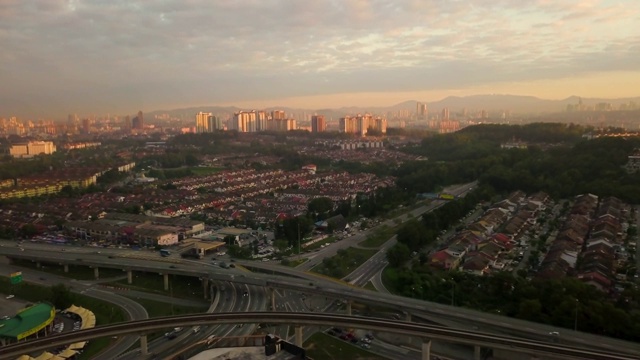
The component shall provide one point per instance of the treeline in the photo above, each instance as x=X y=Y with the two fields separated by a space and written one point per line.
x=556 y=302
x=558 y=162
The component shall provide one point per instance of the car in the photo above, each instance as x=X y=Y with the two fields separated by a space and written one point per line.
x=41 y=278
x=365 y=345
x=233 y=260
x=173 y=267
x=111 y=257
x=10 y=296
x=554 y=333
x=172 y=336
x=232 y=266
x=246 y=293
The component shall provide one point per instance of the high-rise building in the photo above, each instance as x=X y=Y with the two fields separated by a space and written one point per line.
x=445 y=114
x=206 y=123
x=137 y=123
x=278 y=115
x=318 y=124
x=421 y=111
x=243 y=121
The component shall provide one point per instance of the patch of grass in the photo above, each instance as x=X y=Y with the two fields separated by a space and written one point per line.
x=389 y=279
x=379 y=237
x=158 y=309
x=185 y=287
x=78 y=272
x=293 y=263
x=105 y=312
x=369 y=286
x=318 y=245
x=344 y=262
x=205 y=170
x=321 y=346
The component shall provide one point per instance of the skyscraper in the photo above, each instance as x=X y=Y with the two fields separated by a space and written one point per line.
x=204 y=122
x=137 y=122
x=318 y=124
x=445 y=114
x=421 y=111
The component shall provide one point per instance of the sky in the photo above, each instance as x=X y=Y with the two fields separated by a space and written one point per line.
x=119 y=56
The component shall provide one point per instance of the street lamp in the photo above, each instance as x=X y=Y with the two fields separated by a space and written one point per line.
x=575 y=323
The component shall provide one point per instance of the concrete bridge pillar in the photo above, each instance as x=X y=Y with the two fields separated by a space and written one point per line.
x=205 y=287
x=66 y=268
x=272 y=294
x=144 y=349
x=476 y=352
x=96 y=273
x=426 y=349
x=129 y=277
x=298 y=335
x=166 y=282
x=349 y=303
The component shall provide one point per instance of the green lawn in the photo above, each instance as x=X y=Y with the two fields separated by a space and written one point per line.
x=344 y=262
x=293 y=263
x=105 y=312
x=205 y=170
x=318 y=245
x=158 y=309
x=179 y=286
x=379 y=237
x=369 y=286
x=78 y=272
x=321 y=346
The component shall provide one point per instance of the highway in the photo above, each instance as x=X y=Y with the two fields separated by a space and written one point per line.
x=437 y=333
x=133 y=310
x=330 y=288
x=231 y=298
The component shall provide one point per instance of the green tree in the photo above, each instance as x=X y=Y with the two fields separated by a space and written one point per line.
x=61 y=296
x=398 y=254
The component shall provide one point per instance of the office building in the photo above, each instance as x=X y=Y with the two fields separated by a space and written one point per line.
x=207 y=123
x=318 y=124
x=421 y=111
x=32 y=148
x=137 y=123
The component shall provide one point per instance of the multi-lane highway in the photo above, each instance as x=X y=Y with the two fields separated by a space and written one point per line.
x=308 y=319
x=133 y=310
x=336 y=290
x=231 y=297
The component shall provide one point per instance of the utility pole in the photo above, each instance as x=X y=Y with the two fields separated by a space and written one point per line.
x=298 y=236
x=575 y=323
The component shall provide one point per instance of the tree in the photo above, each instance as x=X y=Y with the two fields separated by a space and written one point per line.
x=320 y=206
x=398 y=254
x=61 y=296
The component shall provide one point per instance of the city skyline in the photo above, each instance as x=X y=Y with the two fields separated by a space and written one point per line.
x=92 y=57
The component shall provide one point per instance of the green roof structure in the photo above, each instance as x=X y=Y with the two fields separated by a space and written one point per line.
x=27 y=322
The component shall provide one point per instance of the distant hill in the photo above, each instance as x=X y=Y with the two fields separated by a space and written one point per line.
x=491 y=102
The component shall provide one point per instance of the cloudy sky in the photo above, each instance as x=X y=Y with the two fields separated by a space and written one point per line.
x=118 y=56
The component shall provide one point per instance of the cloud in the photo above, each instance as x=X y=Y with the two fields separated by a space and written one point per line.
x=125 y=54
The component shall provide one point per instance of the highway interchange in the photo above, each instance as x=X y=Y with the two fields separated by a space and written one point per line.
x=287 y=283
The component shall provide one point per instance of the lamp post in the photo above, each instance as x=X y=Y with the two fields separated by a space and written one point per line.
x=575 y=322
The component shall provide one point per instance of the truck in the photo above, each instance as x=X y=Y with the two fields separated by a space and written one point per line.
x=164 y=252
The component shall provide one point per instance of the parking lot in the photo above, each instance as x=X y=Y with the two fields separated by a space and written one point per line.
x=9 y=307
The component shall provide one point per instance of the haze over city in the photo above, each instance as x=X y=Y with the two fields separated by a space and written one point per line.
x=61 y=57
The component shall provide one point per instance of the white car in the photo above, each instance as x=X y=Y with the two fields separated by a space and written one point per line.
x=10 y=296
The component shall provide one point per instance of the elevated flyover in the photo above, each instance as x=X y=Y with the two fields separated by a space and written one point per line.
x=425 y=332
